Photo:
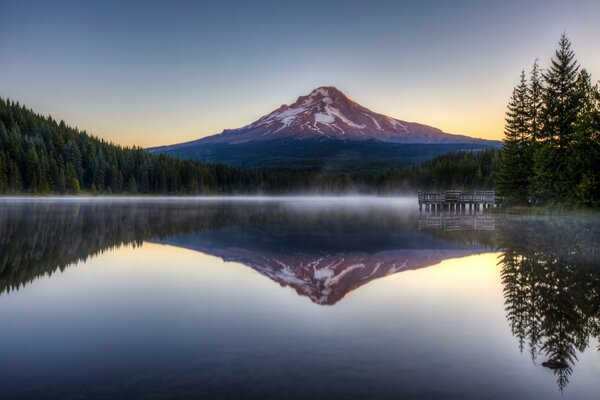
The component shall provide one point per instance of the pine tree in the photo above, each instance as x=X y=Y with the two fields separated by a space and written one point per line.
x=596 y=113
x=559 y=116
x=513 y=177
x=163 y=183
x=132 y=186
x=535 y=106
x=73 y=156
x=584 y=152
x=560 y=95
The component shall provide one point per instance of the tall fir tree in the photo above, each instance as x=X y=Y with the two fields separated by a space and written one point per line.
x=559 y=116
x=561 y=100
x=513 y=177
x=535 y=92
x=584 y=151
x=534 y=113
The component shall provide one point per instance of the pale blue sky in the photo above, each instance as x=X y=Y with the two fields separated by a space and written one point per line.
x=151 y=72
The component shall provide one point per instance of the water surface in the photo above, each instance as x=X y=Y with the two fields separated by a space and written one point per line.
x=293 y=298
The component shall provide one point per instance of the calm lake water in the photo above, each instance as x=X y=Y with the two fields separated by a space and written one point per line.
x=294 y=298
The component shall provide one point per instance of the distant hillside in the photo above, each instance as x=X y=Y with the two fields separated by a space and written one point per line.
x=319 y=155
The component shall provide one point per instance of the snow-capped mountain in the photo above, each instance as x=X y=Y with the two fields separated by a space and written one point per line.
x=323 y=128
x=327 y=113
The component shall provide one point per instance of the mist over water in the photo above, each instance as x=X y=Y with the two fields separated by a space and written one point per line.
x=302 y=297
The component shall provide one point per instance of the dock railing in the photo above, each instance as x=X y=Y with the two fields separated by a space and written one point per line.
x=458 y=199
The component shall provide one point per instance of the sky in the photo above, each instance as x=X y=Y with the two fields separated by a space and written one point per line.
x=150 y=73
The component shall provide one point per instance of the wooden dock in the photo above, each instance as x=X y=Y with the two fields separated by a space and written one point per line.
x=458 y=200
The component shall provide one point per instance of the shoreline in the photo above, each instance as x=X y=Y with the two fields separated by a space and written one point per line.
x=240 y=197
x=549 y=210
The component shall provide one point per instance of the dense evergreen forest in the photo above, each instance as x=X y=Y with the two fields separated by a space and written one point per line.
x=551 y=151
x=39 y=155
x=457 y=170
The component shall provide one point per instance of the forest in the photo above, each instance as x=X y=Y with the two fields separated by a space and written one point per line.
x=39 y=155
x=551 y=150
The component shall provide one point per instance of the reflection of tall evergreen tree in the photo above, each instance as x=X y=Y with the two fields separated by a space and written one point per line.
x=552 y=287
x=515 y=294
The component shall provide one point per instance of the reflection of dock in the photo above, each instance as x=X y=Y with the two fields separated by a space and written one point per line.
x=457 y=222
x=457 y=200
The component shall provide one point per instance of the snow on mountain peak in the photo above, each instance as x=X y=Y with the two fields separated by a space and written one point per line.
x=328 y=113
x=325 y=111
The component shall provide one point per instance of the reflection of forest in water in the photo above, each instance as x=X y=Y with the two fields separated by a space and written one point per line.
x=550 y=270
x=551 y=278
x=39 y=238
x=549 y=266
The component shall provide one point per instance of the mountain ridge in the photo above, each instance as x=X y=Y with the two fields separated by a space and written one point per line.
x=327 y=113
x=325 y=130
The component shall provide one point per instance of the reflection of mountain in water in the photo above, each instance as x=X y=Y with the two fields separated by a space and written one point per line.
x=326 y=253
x=325 y=277
x=321 y=251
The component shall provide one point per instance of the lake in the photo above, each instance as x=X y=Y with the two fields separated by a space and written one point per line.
x=299 y=298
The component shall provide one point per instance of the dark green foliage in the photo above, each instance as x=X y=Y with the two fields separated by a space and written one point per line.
x=551 y=148
x=560 y=98
x=584 y=151
x=39 y=156
x=559 y=116
x=459 y=170
x=535 y=104
x=515 y=169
